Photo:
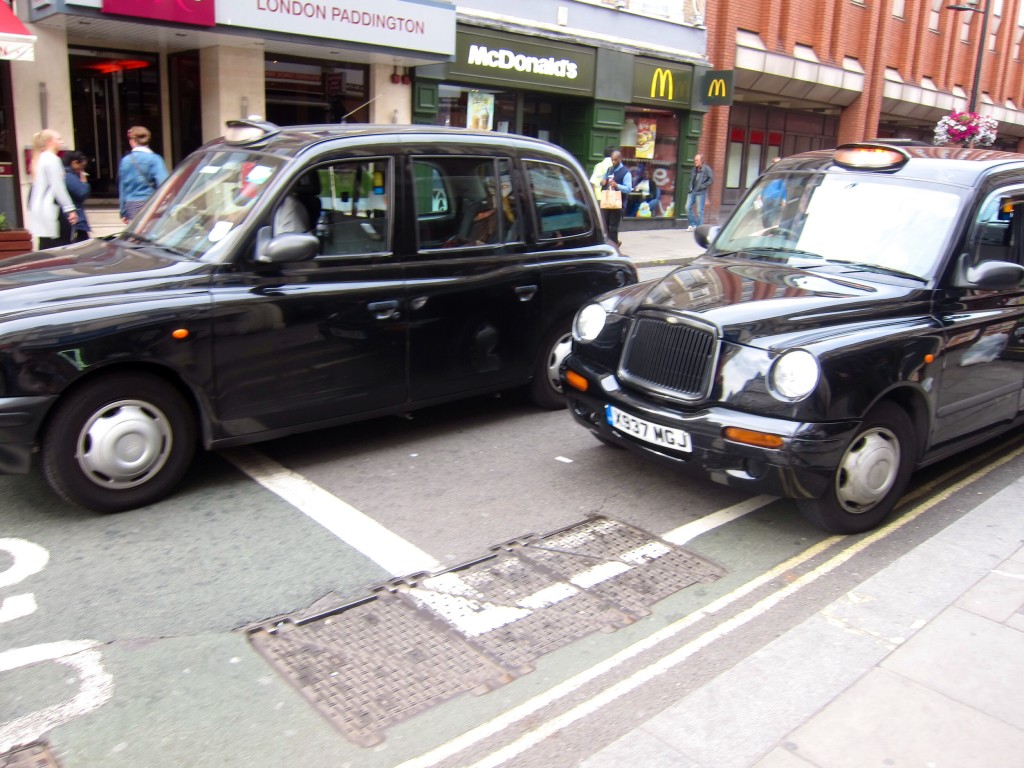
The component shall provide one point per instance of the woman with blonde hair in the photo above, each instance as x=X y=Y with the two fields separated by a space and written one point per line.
x=49 y=194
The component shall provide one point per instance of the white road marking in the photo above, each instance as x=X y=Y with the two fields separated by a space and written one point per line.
x=447 y=594
x=17 y=607
x=95 y=689
x=29 y=559
x=645 y=675
x=393 y=553
x=563 y=459
x=684 y=533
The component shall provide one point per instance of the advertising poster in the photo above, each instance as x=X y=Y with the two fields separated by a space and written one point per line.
x=480 y=111
x=646 y=133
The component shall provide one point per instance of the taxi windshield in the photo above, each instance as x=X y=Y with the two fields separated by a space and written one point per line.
x=868 y=223
x=204 y=200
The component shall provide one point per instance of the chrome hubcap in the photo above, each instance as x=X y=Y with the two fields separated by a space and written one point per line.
x=124 y=445
x=868 y=470
x=557 y=354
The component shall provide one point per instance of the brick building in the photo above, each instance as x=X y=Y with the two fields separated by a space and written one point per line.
x=815 y=74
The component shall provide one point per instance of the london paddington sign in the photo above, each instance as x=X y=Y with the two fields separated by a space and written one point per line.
x=400 y=24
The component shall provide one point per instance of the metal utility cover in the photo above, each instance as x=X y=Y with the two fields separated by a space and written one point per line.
x=423 y=640
x=35 y=755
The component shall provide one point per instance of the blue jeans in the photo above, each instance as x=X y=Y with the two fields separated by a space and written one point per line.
x=695 y=208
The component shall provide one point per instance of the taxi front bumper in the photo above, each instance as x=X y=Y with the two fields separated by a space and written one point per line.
x=802 y=468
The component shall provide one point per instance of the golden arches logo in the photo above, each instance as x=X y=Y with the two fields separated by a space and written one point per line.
x=718 y=89
x=662 y=80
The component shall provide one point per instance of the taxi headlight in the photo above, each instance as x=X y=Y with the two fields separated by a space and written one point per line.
x=794 y=375
x=589 y=322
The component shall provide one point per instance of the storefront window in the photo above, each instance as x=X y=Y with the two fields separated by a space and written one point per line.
x=650 y=147
x=9 y=204
x=523 y=113
x=306 y=92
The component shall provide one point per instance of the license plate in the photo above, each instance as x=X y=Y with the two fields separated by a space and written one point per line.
x=666 y=437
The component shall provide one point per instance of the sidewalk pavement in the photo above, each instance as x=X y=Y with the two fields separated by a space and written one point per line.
x=921 y=665
x=659 y=247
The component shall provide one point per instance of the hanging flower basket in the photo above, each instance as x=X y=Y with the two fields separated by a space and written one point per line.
x=966 y=129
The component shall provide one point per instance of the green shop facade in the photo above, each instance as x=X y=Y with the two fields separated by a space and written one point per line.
x=582 y=98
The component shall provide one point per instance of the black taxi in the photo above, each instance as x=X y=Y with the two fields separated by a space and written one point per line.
x=286 y=279
x=859 y=315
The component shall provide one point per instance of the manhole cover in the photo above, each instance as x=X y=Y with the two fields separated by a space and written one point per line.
x=622 y=564
x=515 y=610
x=36 y=755
x=374 y=663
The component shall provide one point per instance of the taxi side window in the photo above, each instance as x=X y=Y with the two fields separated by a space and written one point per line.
x=459 y=202
x=999 y=228
x=561 y=203
x=355 y=207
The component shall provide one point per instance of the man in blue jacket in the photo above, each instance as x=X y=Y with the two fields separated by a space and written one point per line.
x=141 y=171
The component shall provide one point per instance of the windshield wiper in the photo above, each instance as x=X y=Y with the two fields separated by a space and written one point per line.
x=776 y=250
x=856 y=266
x=143 y=240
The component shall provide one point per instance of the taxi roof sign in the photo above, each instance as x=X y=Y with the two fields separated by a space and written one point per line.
x=870 y=157
x=250 y=131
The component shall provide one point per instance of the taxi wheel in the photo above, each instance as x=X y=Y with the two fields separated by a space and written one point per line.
x=546 y=388
x=119 y=442
x=872 y=474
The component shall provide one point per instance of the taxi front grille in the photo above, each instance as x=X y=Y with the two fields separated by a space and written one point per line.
x=672 y=358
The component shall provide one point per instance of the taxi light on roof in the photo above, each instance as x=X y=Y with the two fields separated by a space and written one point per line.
x=750 y=437
x=870 y=157
x=249 y=131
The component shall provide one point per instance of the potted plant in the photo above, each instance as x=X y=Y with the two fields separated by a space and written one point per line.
x=966 y=129
x=13 y=242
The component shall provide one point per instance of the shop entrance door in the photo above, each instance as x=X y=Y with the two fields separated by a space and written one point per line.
x=110 y=92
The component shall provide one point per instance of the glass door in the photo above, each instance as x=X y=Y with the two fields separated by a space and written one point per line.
x=110 y=92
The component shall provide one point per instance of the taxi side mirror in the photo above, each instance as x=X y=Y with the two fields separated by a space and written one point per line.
x=289 y=247
x=705 y=235
x=990 y=275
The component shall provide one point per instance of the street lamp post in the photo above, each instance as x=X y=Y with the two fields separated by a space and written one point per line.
x=982 y=43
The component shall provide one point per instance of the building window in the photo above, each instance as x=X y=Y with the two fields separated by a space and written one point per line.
x=933 y=16
x=899 y=8
x=308 y=92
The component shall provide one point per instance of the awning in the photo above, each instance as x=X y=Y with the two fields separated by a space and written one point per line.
x=15 y=41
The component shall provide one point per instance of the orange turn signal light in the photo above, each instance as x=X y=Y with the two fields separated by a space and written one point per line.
x=576 y=381
x=180 y=333
x=750 y=437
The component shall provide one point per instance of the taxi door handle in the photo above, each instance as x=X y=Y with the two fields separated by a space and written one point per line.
x=526 y=292
x=384 y=310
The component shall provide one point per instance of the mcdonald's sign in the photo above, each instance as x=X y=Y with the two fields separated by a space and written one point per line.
x=662 y=83
x=663 y=80
x=717 y=87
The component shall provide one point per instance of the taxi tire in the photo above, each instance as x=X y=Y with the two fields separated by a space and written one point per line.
x=546 y=387
x=881 y=453
x=107 y=415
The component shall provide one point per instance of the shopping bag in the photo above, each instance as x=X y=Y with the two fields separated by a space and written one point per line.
x=611 y=198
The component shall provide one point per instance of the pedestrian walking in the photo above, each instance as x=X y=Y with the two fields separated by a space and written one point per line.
x=141 y=171
x=51 y=211
x=76 y=179
x=617 y=179
x=700 y=182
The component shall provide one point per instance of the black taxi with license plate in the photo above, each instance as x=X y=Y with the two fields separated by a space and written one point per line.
x=287 y=279
x=860 y=314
